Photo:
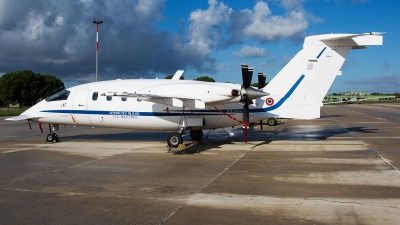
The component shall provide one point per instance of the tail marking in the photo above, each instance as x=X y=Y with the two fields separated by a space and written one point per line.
x=321 y=53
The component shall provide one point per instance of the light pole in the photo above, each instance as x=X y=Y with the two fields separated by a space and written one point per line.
x=97 y=22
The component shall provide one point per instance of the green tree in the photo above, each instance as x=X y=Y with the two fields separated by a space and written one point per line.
x=27 y=86
x=52 y=86
x=10 y=86
x=31 y=86
x=376 y=93
x=256 y=84
x=205 y=78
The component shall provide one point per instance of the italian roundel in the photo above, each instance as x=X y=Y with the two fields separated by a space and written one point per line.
x=269 y=101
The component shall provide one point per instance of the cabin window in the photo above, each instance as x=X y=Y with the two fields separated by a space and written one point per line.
x=95 y=96
x=109 y=98
x=124 y=99
x=62 y=95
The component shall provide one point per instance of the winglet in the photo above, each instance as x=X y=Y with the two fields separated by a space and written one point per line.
x=177 y=75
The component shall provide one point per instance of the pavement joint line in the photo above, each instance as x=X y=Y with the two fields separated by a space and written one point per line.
x=387 y=162
x=218 y=176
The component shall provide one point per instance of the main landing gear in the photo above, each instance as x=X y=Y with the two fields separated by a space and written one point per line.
x=196 y=135
x=53 y=137
x=175 y=138
x=272 y=122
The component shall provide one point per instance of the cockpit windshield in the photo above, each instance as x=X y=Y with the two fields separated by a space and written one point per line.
x=62 y=95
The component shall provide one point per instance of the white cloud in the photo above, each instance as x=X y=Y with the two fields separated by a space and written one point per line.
x=291 y=4
x=58 y=37
x=251 y=52
x=266 y=27
x=205 y=27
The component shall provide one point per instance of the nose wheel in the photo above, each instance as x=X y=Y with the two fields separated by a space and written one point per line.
x=174 y=139
x=53 y=137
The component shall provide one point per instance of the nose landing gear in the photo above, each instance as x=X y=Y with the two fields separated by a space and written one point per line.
x=53 y=137
x=174 y=139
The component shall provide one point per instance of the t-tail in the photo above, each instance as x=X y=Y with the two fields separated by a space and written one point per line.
x=298 y=89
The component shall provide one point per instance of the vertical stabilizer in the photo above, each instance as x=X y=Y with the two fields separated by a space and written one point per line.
x=298 y=89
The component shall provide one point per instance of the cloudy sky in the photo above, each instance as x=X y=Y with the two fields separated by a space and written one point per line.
x=154 y=38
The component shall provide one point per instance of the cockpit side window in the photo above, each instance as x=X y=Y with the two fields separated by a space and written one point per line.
x=62 y=95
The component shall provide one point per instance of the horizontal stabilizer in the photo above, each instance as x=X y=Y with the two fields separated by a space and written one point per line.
x=356 y=41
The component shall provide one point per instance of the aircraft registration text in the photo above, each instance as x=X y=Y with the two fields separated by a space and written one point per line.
x=124 y=114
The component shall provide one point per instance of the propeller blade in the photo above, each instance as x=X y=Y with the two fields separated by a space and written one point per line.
x=246 y=116
x=245 y=76
x=250 y=75
x=261 y=80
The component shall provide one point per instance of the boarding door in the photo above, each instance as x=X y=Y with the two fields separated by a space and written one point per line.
x=80 y=113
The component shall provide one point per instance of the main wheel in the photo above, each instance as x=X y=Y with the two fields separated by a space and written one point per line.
x=174 y=139
x=271 y=122
x=51 y=137
x=196 y=135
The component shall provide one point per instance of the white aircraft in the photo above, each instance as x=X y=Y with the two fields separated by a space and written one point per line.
x=177 y=105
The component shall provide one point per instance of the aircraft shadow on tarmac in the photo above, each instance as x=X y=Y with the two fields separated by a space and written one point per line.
x=214 y=139
x=327 y=116
x=286 y=134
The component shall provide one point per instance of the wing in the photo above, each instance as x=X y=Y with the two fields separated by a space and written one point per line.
x=166 y=100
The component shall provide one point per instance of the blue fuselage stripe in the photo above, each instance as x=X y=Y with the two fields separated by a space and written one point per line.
x=131 y=113
x=288 y=94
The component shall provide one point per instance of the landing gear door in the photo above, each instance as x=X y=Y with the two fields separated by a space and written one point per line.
x=80 y=105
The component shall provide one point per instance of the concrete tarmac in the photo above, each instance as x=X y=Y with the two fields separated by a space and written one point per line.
x=339 y=169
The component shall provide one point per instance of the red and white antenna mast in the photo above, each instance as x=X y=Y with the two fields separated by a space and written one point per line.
x=97 y=22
